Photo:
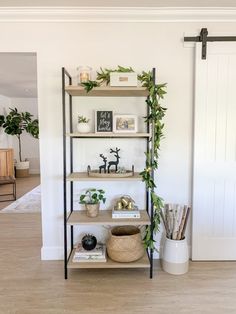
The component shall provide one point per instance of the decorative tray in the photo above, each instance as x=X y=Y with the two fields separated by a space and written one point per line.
x=111 y=174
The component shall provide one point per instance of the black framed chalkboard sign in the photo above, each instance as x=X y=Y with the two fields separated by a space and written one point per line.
x=103 y=121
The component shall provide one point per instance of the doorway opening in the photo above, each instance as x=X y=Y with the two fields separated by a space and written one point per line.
x=19 y=100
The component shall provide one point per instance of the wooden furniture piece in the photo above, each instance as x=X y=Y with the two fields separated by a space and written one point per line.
x=7 y=176
x=74 y=219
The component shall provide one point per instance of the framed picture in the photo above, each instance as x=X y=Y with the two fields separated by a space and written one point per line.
x=125 y=123
x=103 y=121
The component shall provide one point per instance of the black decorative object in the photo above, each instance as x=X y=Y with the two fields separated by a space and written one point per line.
x=104 y=167
x=114 y=163
x=89 y=242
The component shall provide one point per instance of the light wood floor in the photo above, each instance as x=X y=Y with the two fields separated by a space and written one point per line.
x=31 y=286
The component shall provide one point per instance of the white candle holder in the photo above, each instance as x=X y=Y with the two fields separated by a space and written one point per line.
x=84 y=74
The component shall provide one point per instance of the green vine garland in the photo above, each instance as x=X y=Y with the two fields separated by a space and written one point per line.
x=156 y=114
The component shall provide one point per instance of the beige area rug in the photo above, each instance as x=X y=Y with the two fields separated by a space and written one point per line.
x=28 y=203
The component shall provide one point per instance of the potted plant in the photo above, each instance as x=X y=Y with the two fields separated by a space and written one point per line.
x=91 y=199
x=15 y=123
x=83 y=126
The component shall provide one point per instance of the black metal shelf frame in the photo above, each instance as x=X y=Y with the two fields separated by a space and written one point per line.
x=66 y=77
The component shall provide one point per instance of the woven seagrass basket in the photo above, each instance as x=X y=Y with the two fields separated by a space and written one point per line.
x=125 y=244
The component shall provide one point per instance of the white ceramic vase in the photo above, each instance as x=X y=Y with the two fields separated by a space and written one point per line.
x=175 y=257
x=83 y=127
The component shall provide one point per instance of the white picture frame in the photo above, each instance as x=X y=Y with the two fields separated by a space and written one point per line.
x=125 y=123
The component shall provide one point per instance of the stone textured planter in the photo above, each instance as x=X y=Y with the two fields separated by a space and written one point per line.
x=92 y=209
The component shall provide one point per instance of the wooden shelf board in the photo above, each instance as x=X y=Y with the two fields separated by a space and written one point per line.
x=141 y=263
x=107 y=91
x=109 y=135
x=83 y=176
x=79 y=217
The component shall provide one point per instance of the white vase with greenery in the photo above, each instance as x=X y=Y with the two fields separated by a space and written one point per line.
x=83 y=125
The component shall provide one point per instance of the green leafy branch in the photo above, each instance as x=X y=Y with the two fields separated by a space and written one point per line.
x=89 y=85
x=155 y=116
x=104 y=75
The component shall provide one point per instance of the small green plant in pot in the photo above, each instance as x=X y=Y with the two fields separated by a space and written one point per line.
x=83 y=124
x=92 y=199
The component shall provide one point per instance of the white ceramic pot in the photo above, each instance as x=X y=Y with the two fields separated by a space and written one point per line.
x=175 y=257
x=22 y=165
x=83 y=127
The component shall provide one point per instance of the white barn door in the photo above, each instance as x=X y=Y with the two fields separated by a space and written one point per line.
x=214 y=177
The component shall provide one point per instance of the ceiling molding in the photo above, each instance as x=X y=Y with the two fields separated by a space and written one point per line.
x=115 y=14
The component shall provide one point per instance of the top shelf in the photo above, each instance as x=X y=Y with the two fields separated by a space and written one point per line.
x=107 y=91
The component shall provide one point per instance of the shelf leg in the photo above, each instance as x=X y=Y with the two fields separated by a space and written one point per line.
x=151 y=264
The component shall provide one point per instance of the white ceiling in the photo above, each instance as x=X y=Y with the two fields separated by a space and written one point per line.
x=18 y=75
x=120 y=3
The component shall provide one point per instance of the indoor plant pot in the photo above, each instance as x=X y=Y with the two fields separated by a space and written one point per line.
x=83 y=127
x=22 y=169
x=92 y=210
x=91 y=199
x=83 y=124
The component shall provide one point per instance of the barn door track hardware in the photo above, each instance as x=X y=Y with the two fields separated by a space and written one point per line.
x=204 y=38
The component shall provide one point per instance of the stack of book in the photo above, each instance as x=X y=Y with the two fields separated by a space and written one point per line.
x=125 y=213
x=96 y=255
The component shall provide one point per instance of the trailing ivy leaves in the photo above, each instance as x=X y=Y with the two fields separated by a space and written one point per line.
x=155 y=116
x=89 y=85
x=104 y=75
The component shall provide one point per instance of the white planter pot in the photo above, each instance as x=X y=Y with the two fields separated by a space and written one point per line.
x=22 y=165
x=175 y=257
x=83 y=127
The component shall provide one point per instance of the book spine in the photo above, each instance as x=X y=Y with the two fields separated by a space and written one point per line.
x=117 y=216
x=89 y=261
x=88 y=253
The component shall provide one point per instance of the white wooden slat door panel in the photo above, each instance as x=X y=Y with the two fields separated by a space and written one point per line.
x=214 y=165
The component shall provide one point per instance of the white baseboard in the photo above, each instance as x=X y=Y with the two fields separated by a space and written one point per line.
x=52 y=253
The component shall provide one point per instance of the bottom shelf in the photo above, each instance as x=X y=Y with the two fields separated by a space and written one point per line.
x=141 y=263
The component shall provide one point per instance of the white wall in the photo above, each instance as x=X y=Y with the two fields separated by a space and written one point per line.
x=5 y=140
x=140 y=45
x=29 y=145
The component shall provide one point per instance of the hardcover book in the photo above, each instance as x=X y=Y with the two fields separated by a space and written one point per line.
x=97 y=251
x=125 y=214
